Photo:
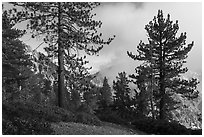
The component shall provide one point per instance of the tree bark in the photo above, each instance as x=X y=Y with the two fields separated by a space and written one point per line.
x=152 y=81
x=162 y=84
x=61 y=93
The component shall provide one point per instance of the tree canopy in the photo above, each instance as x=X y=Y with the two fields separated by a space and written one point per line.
x=165 y=54
x=16 y=62
x=67 y=27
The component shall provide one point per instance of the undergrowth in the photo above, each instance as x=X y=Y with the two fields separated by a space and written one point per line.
x=27 y=118
x=162 y=127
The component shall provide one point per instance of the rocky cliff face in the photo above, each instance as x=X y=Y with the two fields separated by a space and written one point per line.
x=98 y=80
x=190 y=112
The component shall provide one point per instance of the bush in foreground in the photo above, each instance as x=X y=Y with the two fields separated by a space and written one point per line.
x=111 y=116
x=85 y=118
x=195 y=131
x=85 y=115
x=27 y=118
x=162 y=127
x=25 y=126
x=30 y=109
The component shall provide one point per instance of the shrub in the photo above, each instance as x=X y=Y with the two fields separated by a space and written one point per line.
x=111 y=116
x=195 y=131
x=8 y=128
x=85 y=108
x=32 y=118
x=25 y=126
x=86 y=118
x=25 y=118
x=30 y=109
x=84 y=114
x=160 y=127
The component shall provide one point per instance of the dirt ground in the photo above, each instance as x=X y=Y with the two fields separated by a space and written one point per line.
x=72 y=128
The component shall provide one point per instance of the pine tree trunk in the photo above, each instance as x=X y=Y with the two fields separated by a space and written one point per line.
x=152 y=105
x=152 y=81
x=161 y=112
x=162 y=84
x=61 y=93
x=162 y=93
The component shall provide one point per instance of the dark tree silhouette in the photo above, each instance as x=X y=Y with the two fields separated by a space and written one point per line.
x=67 y=27
x=16 y=63
x=166 y=53
x=122 y=100
x=144 y=99
x=105 y=97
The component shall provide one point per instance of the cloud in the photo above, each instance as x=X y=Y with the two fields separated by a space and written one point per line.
x=124 y=21
x=127 y=22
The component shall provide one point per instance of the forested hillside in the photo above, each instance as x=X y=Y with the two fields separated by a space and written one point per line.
x=53 y=92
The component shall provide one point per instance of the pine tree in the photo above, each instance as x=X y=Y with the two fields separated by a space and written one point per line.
x=16 y=63
x=166 y=54
x=67 y=27
x=90 y=98
x=105 y=97
x=78 y=79
x=122 y=100
x=40 y=84
x=144 y=99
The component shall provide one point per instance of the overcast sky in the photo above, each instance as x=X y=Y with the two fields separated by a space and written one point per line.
x=127 y=22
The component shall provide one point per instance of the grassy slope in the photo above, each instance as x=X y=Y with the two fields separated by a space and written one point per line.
x=72 y=128
x=31 y=118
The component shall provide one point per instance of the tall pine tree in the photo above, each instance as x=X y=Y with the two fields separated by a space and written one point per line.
x=67 y=27
x=122 y=100
x=105 y=97
x=166 y=53
x=16 y=62
x=144 y=99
